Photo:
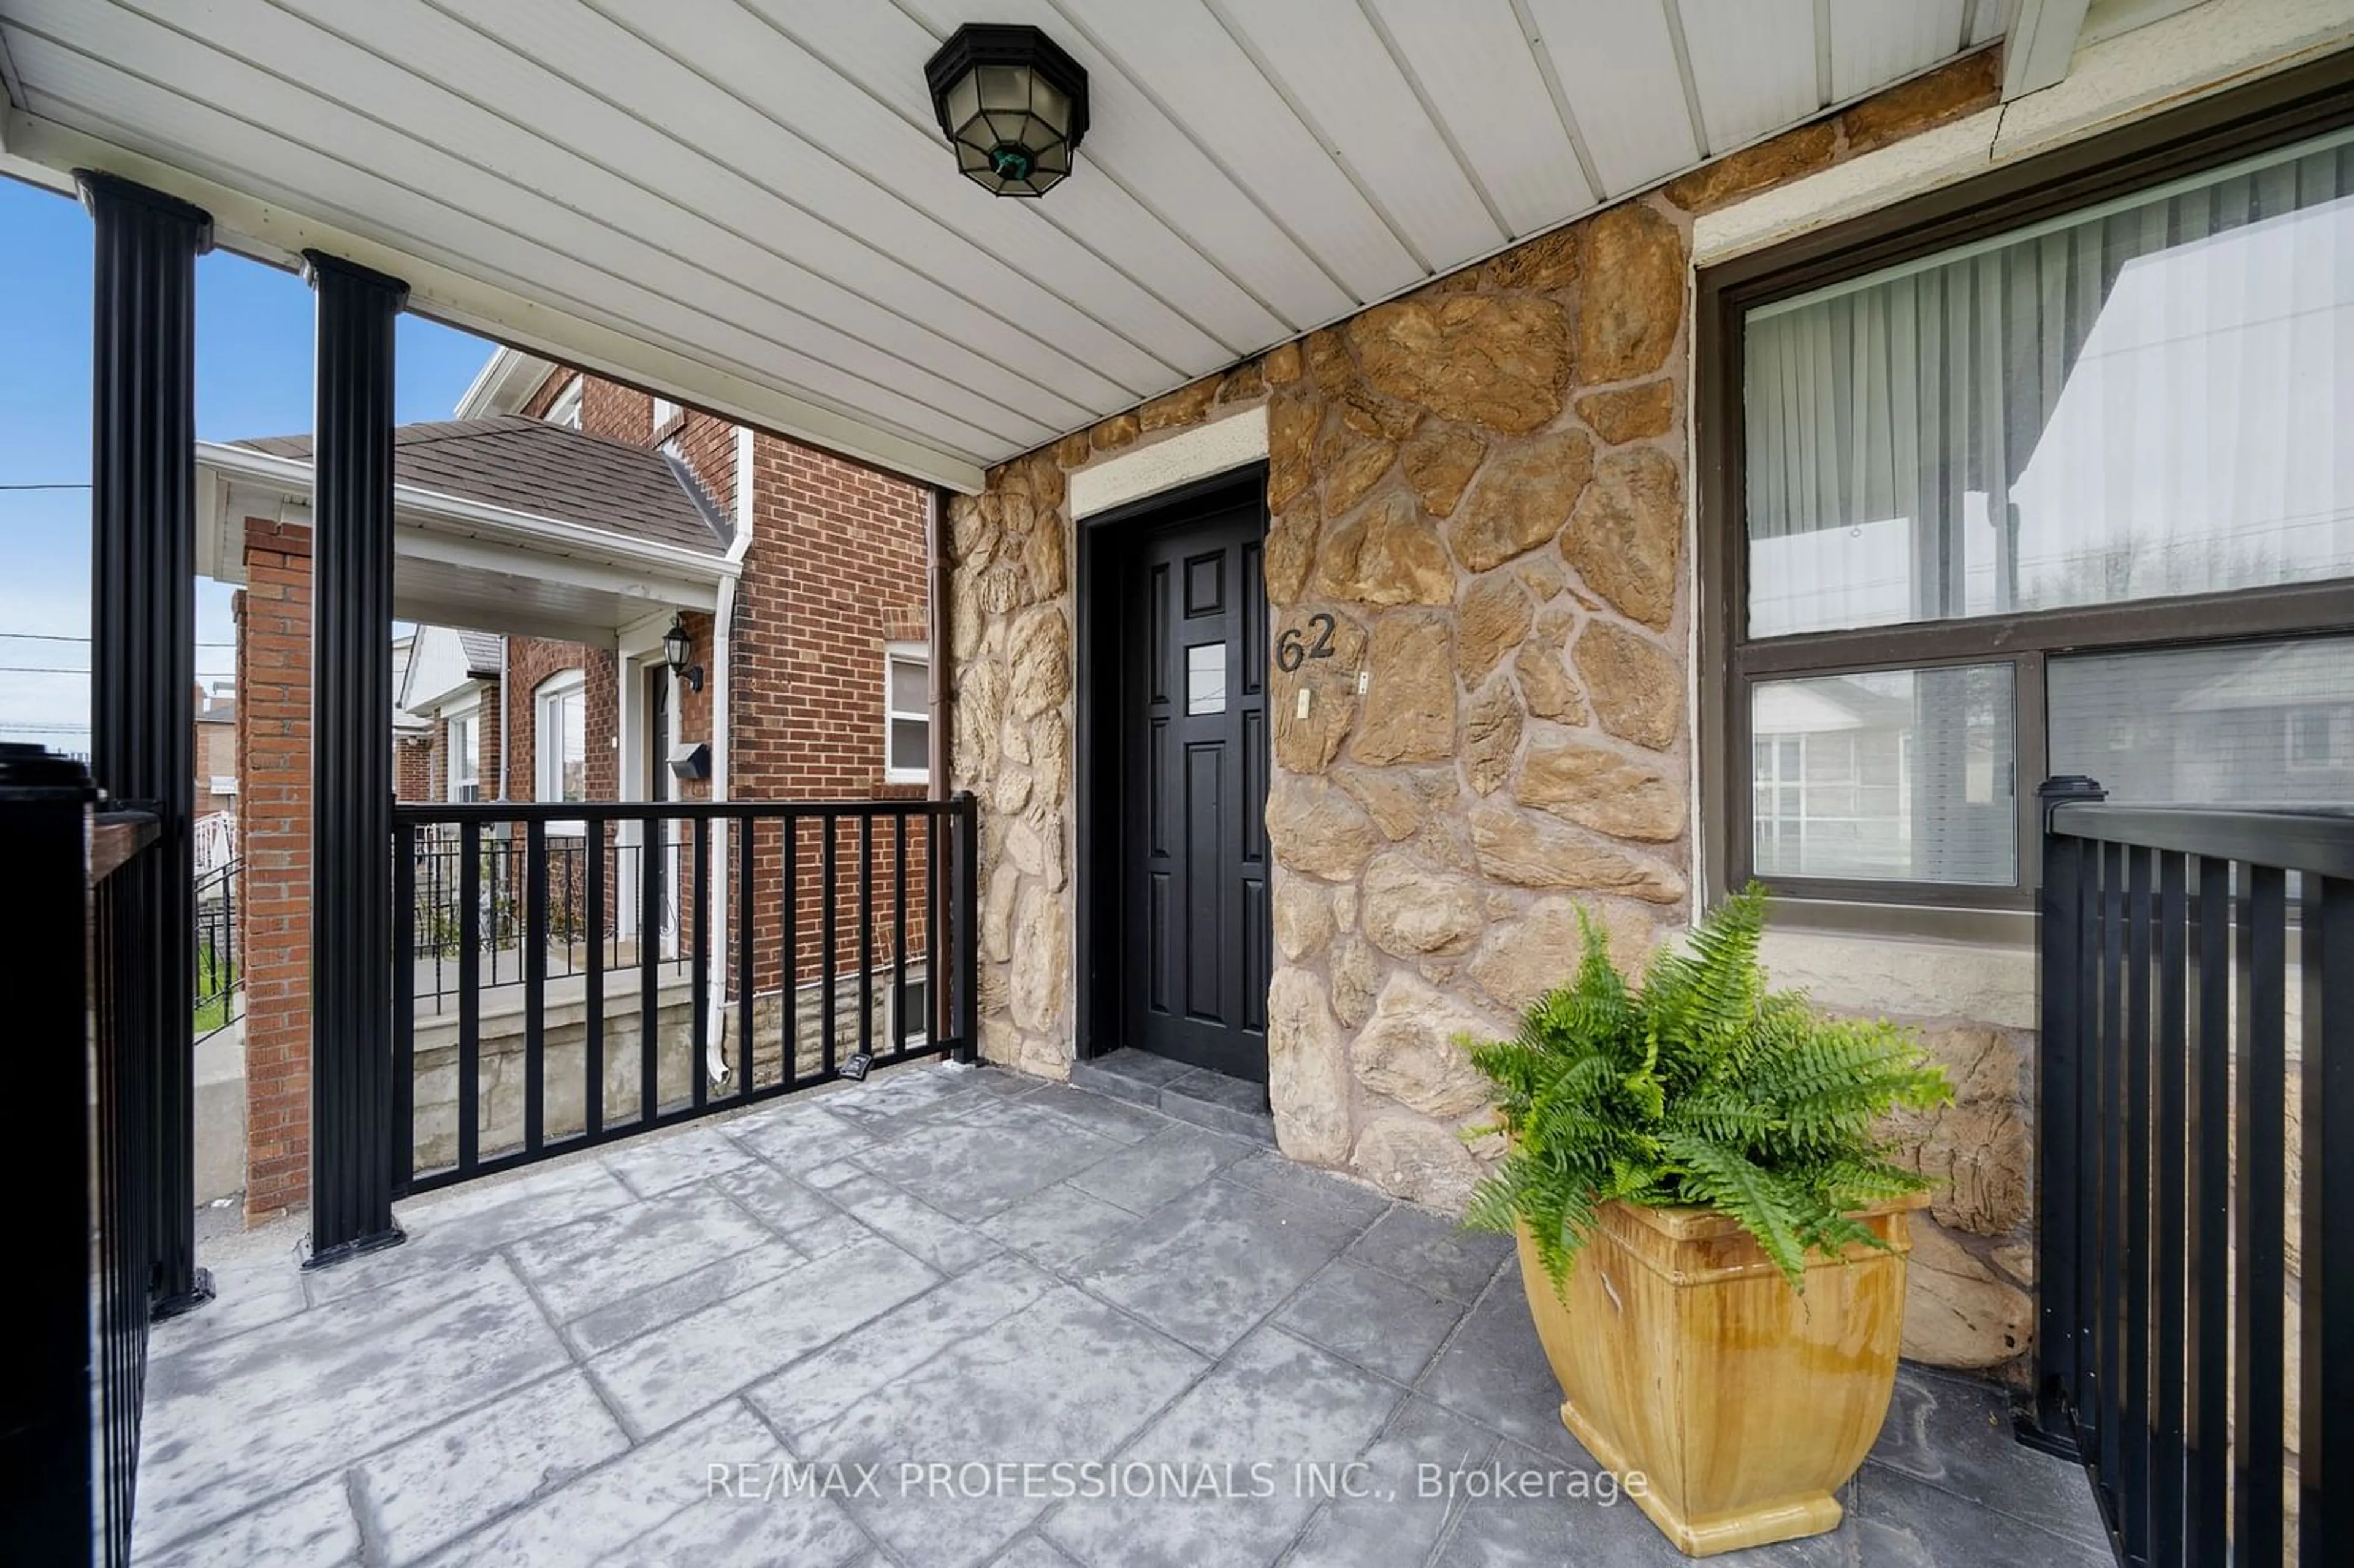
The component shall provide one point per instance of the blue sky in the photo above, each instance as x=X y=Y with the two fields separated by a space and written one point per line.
x=253 y=378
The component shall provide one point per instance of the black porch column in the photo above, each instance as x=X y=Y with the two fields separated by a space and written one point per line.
x=2065 y=1004
x=352 y=968
x=142 y=650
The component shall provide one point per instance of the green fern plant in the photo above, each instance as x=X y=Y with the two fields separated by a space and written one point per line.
x=1701 y=1086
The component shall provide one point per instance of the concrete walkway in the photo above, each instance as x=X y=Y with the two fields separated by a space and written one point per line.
x=863 y=1327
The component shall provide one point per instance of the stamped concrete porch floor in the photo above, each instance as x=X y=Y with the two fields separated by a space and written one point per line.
x=614 y=1359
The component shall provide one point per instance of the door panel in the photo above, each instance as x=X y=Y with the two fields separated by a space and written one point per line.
x=658 y=840
x=1192 y=732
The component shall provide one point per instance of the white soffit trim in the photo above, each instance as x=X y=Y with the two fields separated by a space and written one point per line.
x=1235 y=441
x=2209 y=47
x=507 y=378
x=512 y=621
x=643 y=636
x=2041 y=41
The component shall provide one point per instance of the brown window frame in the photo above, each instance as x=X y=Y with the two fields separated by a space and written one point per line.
x=2295 y=105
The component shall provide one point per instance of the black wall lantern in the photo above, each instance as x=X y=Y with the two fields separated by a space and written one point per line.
x=675 y=650
x=1011 y=103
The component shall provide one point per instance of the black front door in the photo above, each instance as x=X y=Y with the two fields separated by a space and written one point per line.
x=658 y=733
x=658 y=847
x=1193 y=738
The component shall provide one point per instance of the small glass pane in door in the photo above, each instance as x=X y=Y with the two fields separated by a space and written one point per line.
x=1205 y=678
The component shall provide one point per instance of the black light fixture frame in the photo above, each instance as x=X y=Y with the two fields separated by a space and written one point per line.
x=674 y=646
x=978 y=44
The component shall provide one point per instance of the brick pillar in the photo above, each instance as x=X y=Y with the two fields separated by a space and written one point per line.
x=488 y=722
x=274 y=762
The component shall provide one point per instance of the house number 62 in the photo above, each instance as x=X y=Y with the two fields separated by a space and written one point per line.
x=1292 y=648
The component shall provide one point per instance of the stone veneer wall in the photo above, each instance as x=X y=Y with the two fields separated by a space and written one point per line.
x=1484 y=484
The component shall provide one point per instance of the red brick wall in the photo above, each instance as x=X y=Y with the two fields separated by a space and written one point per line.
x=694 y=707
x=707 y=445
x=488 y=724
x=530 y=662
x=835 y=571
x=273 y=722
x=537 y=404
x=608 y=408
x=235 y=617
x=414 y=765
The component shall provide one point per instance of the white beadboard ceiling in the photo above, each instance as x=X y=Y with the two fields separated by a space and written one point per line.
x=745 y=202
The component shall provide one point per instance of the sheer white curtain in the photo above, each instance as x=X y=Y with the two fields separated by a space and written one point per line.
x=2147 y=398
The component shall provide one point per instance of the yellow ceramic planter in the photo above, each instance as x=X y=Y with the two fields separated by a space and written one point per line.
x=1685 y=1357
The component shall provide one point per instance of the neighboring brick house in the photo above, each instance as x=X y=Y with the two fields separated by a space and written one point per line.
x=816 y=565
x=216 y=751
x=830 y=617
x=412 y=737
x=832 y=594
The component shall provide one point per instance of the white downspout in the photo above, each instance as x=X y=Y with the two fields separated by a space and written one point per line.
x=723 y=637
x=506 y=715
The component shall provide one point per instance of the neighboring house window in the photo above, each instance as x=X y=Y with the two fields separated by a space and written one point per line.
x=566 y=409
x=1975 y=489
x=906 y=714
x=2314 y=736
x=466 y=759
x=560 y=742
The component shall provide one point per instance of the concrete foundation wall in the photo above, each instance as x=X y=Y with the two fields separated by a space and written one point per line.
x=565 y=1033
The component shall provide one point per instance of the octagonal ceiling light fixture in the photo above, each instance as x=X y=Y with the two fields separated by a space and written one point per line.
x=1011 y=103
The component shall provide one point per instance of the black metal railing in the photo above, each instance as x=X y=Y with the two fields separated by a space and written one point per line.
x=220 y=981
x=440 y=886
x=573 y=981
x=2190 y=958
x=86 y=898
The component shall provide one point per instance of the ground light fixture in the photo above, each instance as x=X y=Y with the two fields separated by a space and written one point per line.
x=675 y=650
x=1011 y=103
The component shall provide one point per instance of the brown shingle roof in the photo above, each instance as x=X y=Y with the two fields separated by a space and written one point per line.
x=549 y=471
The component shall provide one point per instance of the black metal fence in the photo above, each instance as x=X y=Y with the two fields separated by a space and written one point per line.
x=85 y=905
x=847 y=942
x=441 y=887
x=220 y=981
x=2168 y=1176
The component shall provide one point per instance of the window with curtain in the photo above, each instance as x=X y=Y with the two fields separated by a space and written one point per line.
x=1979 y=487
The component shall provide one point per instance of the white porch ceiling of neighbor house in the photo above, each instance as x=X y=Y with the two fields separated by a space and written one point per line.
x=464 y=564
x=746 y=203
x=440 y=592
